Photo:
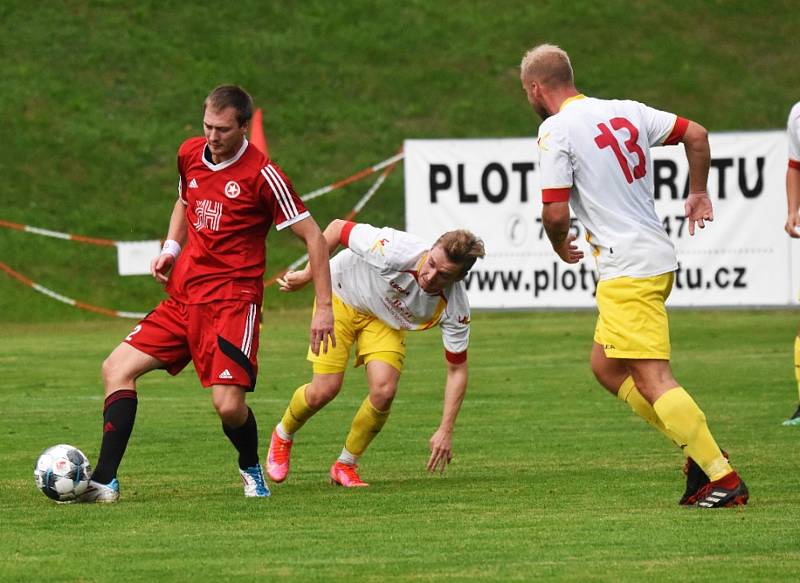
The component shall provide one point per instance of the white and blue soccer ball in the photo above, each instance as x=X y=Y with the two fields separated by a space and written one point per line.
x=62 y=472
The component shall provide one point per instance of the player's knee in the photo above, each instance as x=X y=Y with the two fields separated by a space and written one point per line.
x=610 y=381
x=599 y=375
x=382 y=395
x=600 y=370
x=113 y=370
x=231 y=412
x=107 y=368
x=320 y=392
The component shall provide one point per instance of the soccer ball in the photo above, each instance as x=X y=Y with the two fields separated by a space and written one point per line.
x=62 y=472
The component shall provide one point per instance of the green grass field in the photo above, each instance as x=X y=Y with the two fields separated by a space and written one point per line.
x=552 y=478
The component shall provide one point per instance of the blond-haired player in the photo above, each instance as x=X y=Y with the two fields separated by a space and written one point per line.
x=385 y=282
x=793 y=220
x=595 y=158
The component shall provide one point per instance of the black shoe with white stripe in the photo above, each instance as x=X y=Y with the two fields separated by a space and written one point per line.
x=729 y=490
x=695 y=479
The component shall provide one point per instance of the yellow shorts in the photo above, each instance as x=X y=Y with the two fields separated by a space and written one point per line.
x=633 y=319
x=374 y=341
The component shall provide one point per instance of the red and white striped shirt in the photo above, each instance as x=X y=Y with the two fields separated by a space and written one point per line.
x=230 y=208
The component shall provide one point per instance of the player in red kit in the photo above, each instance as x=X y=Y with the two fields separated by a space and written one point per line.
x=229 y=195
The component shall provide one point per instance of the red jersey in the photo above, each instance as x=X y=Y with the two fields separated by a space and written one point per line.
x=230 y=208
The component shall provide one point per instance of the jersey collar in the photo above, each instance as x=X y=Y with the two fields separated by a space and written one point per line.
x=226 y=163
x=571 y=99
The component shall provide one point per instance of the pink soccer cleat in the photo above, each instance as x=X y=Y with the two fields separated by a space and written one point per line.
x=278 y=457
x=346 y=475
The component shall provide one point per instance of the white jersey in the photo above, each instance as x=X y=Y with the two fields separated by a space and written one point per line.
x=377 y=274
x=793 y=129
x=596 y=154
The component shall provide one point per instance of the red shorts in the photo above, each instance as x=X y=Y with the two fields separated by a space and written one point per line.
x=220 y=337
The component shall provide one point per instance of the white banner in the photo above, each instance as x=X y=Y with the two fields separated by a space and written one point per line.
x=134 y=257
x=491 y=187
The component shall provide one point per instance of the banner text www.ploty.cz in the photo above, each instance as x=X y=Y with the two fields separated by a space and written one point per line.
x=561 y=277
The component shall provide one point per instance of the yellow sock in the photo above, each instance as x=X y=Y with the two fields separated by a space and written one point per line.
x=681 y=416
x=298 y=411
x=631 y=395
x=366 y=425
x=797 y=363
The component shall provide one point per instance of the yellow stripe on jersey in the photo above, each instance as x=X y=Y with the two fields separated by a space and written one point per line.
x=439 y=307
x=571 y=99
x=595 y=248
x=436 y=315
x=421 y=261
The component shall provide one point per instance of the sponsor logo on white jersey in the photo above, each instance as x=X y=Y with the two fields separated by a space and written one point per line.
x=379 y=246
x=225 y=374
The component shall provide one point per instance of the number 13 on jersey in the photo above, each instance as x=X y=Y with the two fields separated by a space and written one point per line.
x=607 y=139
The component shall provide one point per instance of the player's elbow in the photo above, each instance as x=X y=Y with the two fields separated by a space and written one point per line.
x=336 y=225
x=696 y=136
x=334 y=229
x=555 y=216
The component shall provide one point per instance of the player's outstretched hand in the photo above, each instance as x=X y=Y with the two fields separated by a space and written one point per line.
x=322 y=331
x=160 y=267
x=698 y=209
x=441 y=446
x=792 y=224
x=294 y=280
x=568 y=251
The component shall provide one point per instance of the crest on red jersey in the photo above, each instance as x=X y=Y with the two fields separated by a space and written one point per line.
x=232 y=189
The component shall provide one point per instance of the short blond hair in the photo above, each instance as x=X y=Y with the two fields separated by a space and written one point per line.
x=548 y=65
x=462 y=248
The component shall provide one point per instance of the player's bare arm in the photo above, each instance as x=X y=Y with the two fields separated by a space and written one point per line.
x=698 y=207
x=160 y=266
x=295 y=280
x=555 y=218
x=441 y=443
x=322 y=321
x=333 y=234
x=793 y=202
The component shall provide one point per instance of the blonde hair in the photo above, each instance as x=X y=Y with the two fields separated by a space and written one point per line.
x=462 y=248
x=548 y=65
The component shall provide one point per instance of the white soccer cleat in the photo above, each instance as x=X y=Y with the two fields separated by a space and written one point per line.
x=794 y=420
x=254 y=484
x=102 y=493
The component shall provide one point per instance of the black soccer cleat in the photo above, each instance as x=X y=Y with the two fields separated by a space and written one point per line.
x=730 y=490
x=695 y=479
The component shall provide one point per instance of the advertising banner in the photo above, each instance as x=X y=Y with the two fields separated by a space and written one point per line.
x=491 y=187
